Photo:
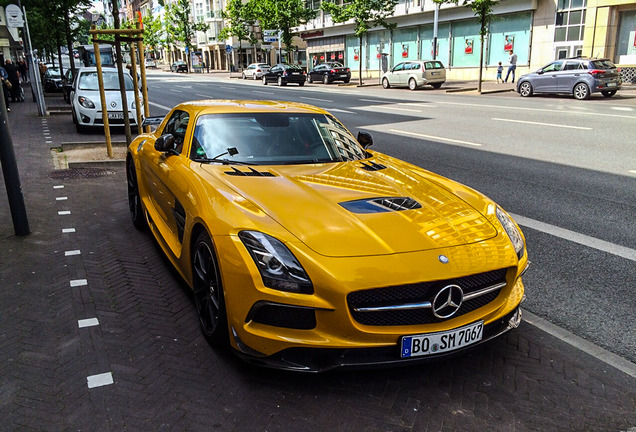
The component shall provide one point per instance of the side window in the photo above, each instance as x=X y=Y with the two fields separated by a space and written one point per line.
x=571 y=66
x=398 y=67
x=553 y=67
x=177 y=126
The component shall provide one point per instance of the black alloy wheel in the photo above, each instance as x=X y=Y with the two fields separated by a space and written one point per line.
x=134 y=199
x=208 y=293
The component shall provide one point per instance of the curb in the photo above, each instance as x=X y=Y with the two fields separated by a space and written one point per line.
x=113 y=164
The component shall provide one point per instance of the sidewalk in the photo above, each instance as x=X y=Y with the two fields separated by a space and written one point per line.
x=97 y=333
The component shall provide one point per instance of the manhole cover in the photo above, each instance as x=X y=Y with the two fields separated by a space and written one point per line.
x=80 y=173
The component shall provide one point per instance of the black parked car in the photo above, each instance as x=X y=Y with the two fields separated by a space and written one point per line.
x=52 y=80
x=329 y=72
x=67 y=84
x=284 y=73
x=179 y=66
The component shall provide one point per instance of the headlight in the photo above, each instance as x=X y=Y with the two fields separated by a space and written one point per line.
x=86 y=102
x=513 y=232
x=278 y=267
x=134 y=106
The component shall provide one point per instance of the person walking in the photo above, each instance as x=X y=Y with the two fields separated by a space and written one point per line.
x=512 y=61
x=22 y=68
x=14 y=79
x=499 y=73
x=5 y=86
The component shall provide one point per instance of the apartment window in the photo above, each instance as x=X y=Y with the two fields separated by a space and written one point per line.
x=570 y=20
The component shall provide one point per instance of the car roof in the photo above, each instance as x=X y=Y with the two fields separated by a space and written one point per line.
x=219 y=106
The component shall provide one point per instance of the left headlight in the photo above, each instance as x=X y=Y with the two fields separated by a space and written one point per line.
x=513 y=232
x=86 y=102
x=278 y=267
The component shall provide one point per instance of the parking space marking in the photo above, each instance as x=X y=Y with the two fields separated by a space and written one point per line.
x=72 y=252
x=61 y=198
x=78 y=282
x=316 y=99
x=68 y=230
x=64 y=212
x=542 y=124
x=58 y=187
x=89 y=322
x=575 y=237
x=419 y=135
x=100 y=380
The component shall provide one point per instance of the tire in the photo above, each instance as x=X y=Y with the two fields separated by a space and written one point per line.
x=437 y=85
x=608 y=93
x=412 y=84
x=254 y=77
x=208 y=292
x=281 y=82
x=79 y=128
x=134 y=199
x=385 y=83
x=302 y=83
x=243 y=75
x=581 y=91
x=309 y=78
x=525 y=89
x=325 y=79
x=264 y=80
x=346 y=81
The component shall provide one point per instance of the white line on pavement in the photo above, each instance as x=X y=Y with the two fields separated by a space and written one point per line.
x=373 y=100
x=262 y=92
x=68 y=230
x=316 y=99
x=419 y=135
x=79 y=282
x=89 y=322
x=100 y=380
x=339 y=110
x=72 y=252
x=632 y=171
x=575 y=237
x=227 y=88
x=159 y=106
x=542 y=124
x=404 y=109
x=176 y=91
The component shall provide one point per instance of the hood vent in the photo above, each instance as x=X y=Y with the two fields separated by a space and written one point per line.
x=251 y=173
x=372 y=166
x=381 y=205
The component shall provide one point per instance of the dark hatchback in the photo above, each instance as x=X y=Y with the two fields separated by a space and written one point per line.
x=284 y=73
x=67 y=84
x=328 y=73
x=52 y=80
x=179 y=66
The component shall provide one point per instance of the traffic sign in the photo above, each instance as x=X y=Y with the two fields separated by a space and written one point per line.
x=228 y=48
x=14 y=16
x=270 y=39
x=269 y=32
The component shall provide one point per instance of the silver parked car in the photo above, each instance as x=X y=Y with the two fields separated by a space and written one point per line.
x=415 y=74
x=576 y=76
x=255 y=71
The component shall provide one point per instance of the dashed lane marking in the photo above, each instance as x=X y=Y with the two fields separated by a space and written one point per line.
x=542 y=124
x=78 y=282
x=72 y=252
x=419 y=135
x=89 y=322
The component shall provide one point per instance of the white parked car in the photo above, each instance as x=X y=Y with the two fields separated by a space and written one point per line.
x=415 y=74
x=86 y=104
x=255 y=71
x=150 y=63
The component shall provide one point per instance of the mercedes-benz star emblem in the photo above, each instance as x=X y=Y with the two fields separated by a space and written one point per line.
x=113 y=104
x=443 y=259
x=448 y=301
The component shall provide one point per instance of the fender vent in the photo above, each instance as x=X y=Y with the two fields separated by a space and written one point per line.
x=251 y=173
x=372 y=166
x=381 y=205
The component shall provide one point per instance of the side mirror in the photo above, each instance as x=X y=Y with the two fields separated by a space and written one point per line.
x=365 y=139
x=165 y=143
x=540 y=72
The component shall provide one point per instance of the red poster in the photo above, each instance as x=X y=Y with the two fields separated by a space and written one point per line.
x=340 y=56
x=333 y=56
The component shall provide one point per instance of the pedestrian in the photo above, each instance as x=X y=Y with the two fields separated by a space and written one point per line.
x=22 y=68
x=499 y=73
x=5 y=86
x=512 y=61
x=14 y=79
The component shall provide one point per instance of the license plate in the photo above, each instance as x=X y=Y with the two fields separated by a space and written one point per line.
x=434 y=73
x=116 y=116
x=611 y=84
x=436 y=343
x=343 y=76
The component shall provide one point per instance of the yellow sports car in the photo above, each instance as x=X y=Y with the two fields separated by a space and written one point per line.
x=308 y=251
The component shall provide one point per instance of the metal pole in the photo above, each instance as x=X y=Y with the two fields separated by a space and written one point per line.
x=11 y=175
x=35 y=75
x=435 y=22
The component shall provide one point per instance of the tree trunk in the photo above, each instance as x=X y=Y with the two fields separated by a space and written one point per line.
x=69 y=40
x=360 y=59
x=481 y=64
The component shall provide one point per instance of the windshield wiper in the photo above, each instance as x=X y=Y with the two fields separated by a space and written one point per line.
x=225 y=161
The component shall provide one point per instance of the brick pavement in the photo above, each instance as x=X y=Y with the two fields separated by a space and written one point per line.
x=166 y=377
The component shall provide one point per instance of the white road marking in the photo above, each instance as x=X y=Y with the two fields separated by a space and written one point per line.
x=89 y=322
x=262 y=92
x=594 y=350
x=316 y=99
x=227 y=88
x=339 y=110
x=72 y=252
x=58 y=187
x=622 y=108
x=176 y=91
x=542 y=124
x=402 y=109
x=373 y=100
x=204 y=95
x=182 y=86
x=100 y=380
x=68 y=230
x=79 y=282
x=542 y=110
x=159 y=106
x=632 y=171
x=575 y=237
x=61 y=198
x=421 y=105
x=419 y=135
x=64 y=212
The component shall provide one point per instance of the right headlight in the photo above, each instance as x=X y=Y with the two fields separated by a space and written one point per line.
x=85 y=102
x=278 y=267
x=513 y=232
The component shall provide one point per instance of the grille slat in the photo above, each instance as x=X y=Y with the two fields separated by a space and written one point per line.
x=420 y=292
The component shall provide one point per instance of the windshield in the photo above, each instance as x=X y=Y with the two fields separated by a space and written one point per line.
x=88 y=81
x=274 y=138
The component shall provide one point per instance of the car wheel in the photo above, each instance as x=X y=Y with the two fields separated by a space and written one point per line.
x=525 y=89
x=581 y=91
x=309 y=78
x=385 y=83
x=280 y=81
x=347 y=81
x=608 y=93
x=134 y=199
x=412 y=84
x=208 y=293
x=254 y=77
x=79 y=128
x=243 y=75
x=264 y=80
x=437 y=85
x=325 y=79
x=302 y=83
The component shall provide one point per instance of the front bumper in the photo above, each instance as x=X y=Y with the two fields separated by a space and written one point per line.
x=93 y=117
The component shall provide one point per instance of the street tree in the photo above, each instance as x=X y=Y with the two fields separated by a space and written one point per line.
x=180 y=25
x=283 y=15
x=152 y=33
x=239 y=21
x=365 y=14
x=483 y=11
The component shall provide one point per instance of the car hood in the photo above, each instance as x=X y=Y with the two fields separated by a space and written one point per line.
x=336 y=210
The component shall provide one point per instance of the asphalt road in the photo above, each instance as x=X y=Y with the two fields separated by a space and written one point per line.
x=565 y=168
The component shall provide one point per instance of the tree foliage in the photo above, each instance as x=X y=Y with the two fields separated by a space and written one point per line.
x=365 y=14
x=239 y=18
x=179 y=24
x=153 y=31
x=282 y=15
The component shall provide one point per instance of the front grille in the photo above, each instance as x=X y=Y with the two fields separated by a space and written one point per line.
x=417 y=293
